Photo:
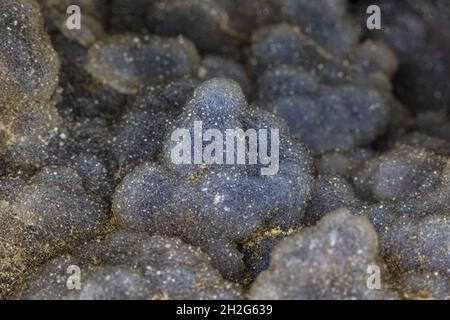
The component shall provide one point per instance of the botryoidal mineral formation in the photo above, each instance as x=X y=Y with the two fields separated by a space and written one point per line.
x=92 y=205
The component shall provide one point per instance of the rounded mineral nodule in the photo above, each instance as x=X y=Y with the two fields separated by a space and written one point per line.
x=125 y=62
x=327 y=261
x=203 y=204
x=29 y=65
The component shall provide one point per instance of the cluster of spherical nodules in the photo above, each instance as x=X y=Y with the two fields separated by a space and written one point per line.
x=87 y=177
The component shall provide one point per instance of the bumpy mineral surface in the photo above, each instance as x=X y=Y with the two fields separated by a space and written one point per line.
x=224 y=149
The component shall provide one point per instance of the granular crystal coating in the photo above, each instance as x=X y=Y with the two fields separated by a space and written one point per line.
x=129 y=265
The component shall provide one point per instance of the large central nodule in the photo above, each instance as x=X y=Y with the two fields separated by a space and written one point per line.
x=234 y=146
